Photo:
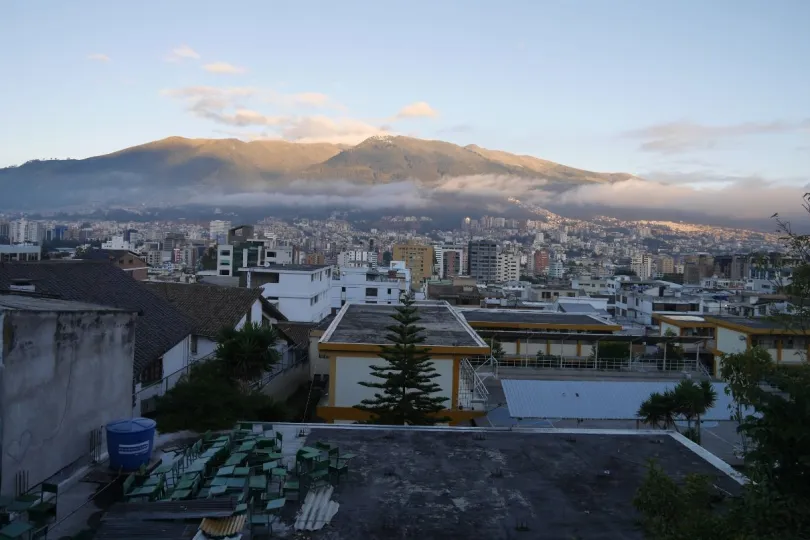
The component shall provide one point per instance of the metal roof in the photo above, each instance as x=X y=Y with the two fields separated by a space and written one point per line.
x=223 y=527
x=478 y=315
x=145 y=530
x=192 y=509
x=592 y=400
x=589 y=338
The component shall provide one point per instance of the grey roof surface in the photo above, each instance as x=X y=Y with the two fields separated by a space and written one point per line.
x=367 y=323
x=594 y=400
x=452 y=484
x=527 y=316
x=159 y=326
x=33 y=303
x=759 y=323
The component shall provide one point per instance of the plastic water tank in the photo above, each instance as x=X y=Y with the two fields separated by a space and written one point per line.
x=129 y=443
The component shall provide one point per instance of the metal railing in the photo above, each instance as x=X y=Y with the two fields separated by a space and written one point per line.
x=588 y=363
x=471 y=390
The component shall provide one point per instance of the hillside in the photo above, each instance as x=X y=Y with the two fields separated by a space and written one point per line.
x=163 y=170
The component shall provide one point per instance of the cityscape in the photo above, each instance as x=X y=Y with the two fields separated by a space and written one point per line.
x=442 y=270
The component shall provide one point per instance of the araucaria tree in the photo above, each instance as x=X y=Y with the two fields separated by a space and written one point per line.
x=406 y=389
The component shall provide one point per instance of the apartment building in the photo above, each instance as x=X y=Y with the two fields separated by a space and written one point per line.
x=482 y=260
x=508 y=266
x=642 y=266
x=383 y=285
x=641 y=304
x=738 y=334
x=357 y=258
x=418 y=258
x=299 y=291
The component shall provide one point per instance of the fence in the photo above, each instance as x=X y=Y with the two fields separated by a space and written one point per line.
x=637 y=363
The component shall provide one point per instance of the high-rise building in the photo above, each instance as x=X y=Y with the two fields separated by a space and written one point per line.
x=482 y=260
x=218 y=231
x=508 y=266
x=541 y=261
x=642 y=265
x=418 y=259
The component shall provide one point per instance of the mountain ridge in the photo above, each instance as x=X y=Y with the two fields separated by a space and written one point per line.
x=232 y=165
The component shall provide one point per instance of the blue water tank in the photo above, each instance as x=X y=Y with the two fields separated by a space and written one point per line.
x=129 y=443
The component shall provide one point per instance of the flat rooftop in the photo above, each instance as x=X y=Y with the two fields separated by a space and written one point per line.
x=481 y=483
x=756 y=323
x=367 y=324
x=528 y=316
x=20 y=302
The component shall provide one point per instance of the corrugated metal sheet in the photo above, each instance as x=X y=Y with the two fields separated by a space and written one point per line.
x=223 y=527
x=318 y=510
x=592 y=400
x=192 y=509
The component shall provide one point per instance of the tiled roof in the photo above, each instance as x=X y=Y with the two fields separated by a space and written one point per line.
x=211 y=307
x=297 y=332
x=108 y=254
x=159 y=326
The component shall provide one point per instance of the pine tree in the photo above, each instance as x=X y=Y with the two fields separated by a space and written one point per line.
x=407 y=387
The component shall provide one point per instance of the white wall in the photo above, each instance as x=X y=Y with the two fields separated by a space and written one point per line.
x=669 y=327
x=296 y=292
x=351 y=370
x=730 y=341
x=205 y=346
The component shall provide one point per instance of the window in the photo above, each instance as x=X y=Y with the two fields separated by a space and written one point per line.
x=272 y=277
x=193 y=344
x=225 y=253
x=153 y=372
x=389 y=292
x=224 y=273
x=371 y=291
x=343 y=289
x=371 y=301
x=271 y=254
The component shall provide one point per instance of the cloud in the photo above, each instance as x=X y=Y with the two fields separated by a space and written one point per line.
x=458 y=128
x=419 y=109
x=224 y=68
x=98 y=57
x=183 y=52
x=229 y=107
x=676 y=137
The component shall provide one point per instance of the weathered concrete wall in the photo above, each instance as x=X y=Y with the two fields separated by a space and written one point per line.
x=285 y=384
x=62 y=375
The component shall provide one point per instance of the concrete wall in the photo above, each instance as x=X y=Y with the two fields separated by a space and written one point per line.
x=351 y=371
x=62 y=376
x=285 y=384
x=730 y=341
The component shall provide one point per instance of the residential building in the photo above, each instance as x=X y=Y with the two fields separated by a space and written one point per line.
x=162 y=333
x=418 y=258
x=641 y=304
x=23 y=231
x=556 y=270
x=482 y=261
x=20 y=252
x=300 y=291
x=353 y=343
x=453 y=262
x=356 y=258
x=315 y=258
x=642 y=266
x=508 y=266
x=128 y=261
x=664 y=264
x=457 y=291
x=212 y=308
x=785 y=344
x=67 y=371
x=541 y=261
x=369 y=285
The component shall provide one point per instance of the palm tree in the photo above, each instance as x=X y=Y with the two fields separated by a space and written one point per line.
x=688 y=400
x=657 y=410
x=247 y=353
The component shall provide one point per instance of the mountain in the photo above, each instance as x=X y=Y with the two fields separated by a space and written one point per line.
x=170 y=169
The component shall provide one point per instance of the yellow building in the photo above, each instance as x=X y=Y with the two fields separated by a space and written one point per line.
x=418 y=259
x=526 y=332
x=738 y=334
x=352 y=344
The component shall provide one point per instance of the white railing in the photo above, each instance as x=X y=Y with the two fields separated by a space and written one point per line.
x=472 y=390
x=637 y=363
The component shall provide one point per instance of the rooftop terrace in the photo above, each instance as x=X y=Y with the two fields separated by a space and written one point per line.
x=533 y=317
x=366 y=324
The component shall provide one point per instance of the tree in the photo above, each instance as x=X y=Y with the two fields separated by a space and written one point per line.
x=605 y=353
x=387 y=258
x=496 y=349
x=407 y=393
x=247 y=353
x=687 y=401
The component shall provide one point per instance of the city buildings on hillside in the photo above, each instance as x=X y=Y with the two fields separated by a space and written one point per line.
x=127 y=261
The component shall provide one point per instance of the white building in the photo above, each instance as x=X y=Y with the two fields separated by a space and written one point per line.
x=22 y=231
x=368 y=285
x=218 y=230
x=356 y=258
x=117 y=242
x=20 y=252
x=556 y=269
x=642 y=265
x=299 y=291
x=640 y=305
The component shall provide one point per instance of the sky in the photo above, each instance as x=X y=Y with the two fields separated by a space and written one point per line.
x=708 y=96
